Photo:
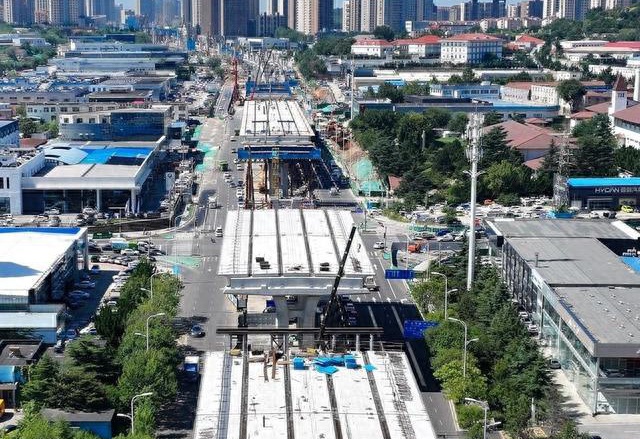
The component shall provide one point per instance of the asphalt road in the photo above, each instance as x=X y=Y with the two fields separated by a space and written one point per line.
x=203 y=302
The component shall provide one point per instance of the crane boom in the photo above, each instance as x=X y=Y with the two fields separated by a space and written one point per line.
x=333 y=300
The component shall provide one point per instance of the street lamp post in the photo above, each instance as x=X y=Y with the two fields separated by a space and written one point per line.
x=446 y=293
x=133 y=427
x=464 y=352
x=160 y=314
x=150 y=291
x=485 y=407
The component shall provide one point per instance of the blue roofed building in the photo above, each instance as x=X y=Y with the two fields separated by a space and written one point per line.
x=599 y=193
x=98 y=423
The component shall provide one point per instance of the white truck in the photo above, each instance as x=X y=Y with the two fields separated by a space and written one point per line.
x=212 y=201
x=370 y=283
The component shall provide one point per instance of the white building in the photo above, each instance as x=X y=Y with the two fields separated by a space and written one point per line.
x=427 y=46
x=469 y=48
x=371 y=47
x=624 y=113
x=37 y=265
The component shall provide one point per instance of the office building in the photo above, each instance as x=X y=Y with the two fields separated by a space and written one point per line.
x=238 y=17
x=425 y=10
x=268 y=23
x=278 y=7
x=470 y=48
x=186 y=12
x=531 y=9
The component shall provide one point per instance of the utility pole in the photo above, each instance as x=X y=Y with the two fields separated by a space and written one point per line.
x=474 y=153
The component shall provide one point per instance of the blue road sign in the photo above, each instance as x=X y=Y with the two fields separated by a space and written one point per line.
x=391 y=273
x=271 y=303
x=414 y=329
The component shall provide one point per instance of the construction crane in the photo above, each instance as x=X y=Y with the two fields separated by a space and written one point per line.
x=335 y=304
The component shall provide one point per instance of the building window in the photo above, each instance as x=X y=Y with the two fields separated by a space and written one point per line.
x=8 y=185
x=1 y=183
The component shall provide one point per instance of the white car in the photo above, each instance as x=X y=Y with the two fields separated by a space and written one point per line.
x=445 y=238
x=79 y=293
x=218 y=232
x=129 y=252
x=378 y=245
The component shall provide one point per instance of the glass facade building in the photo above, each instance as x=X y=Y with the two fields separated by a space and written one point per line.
x=570 y=277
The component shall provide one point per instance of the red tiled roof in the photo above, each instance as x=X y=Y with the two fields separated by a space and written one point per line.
x=624 y=44
x=534 y=164
x=394 y=182
x=630 y=114
x=519 y=85
x=524 y=38
x=425 y=39
x=472 y=37
x=524 y=136
x=601 y=108
x=372 y=42
x=582 y=115
x=535 y=121
x=30 y=142
x=620 y=84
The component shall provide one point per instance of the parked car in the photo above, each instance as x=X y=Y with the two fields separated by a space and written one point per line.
x=85 y=284
x=554 y=364
x=626 y=209
x=218 y=232
x=79 y=293
x=95 y=269
x=196 y=331
x=447 y=237
x=58 y=348
x=379 y=245
x=52 y=211
x=129 y=252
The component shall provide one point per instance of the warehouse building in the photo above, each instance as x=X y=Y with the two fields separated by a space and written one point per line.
x=580 y=281
x=599 y=193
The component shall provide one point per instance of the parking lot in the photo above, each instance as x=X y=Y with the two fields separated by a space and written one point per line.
x=100 y=286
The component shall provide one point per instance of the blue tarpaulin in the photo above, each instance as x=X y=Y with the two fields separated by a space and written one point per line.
x=329 y=370
x=369 y=367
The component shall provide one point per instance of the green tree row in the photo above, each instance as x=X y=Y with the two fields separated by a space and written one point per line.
x=504 y=366
x=106 y=372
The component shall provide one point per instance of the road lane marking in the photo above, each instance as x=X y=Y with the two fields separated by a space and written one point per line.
x=373 y=318
x=410 y=349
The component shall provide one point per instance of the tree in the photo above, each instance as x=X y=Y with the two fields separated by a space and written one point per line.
x=389 y=91
x=416 y=88
x=457 y=387
x=495 y=148
x=571 y=91
x=595 y=154
x=458 y=123
x=96 y=359
x=27 y=126
x=491 y=118
x=78 y=389
x=293 y=35
x=110 y=325
x=468 y=76
x=41 y=387
x=383 y=33
x=505 y=177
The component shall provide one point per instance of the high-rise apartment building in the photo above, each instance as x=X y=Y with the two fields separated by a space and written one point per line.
x=572 y=9
x=314 y=16
x=205 y=16
x=442 y=13
x=397 y=12
x=550 y=8
x=425 y=10
x=278 y=7
x=186 y=12
x=20 y=12
x=352 y=15
x=94 y=8
x=65 y=12
x=41 y=11
x=370 y=15
x=144 y=8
